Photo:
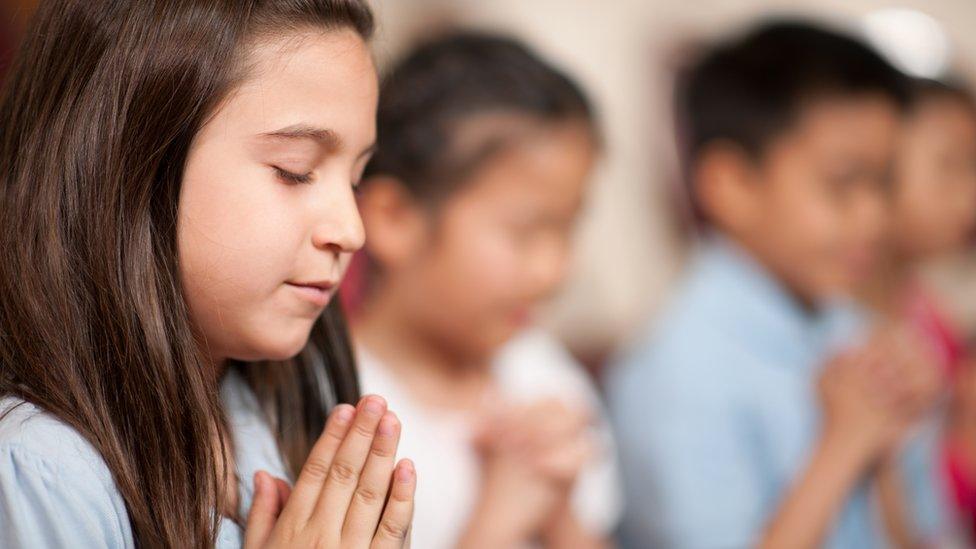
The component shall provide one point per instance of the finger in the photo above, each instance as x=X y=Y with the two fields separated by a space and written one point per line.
x=370 y=496
x=283 y=489
x=308 y=487
x=881 y=384
x=333 y=504
x=883 y=376
x=565 y=463
x=527 y=423
x=264 y=511
x=505 y=428
x=559 y=429
x=394 y=529
x=569 y=422
x=843 y=363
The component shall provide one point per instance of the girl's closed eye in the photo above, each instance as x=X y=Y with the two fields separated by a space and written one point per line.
x=291 y=177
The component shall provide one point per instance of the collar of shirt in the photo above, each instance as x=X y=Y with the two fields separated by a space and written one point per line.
x=756 y=308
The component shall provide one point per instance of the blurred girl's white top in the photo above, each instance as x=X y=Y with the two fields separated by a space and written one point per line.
x=533 y=366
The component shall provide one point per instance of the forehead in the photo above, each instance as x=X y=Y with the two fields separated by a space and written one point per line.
x=943 y=112
x=865 y=125
x=314 y=78
x=550 y=163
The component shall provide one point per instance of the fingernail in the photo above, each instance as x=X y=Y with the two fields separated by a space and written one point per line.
x=405 y=472
x=375 y=405
x=343 y=413
x=388 y=425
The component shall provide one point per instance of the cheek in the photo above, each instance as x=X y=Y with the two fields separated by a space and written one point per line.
x=487 y=259
x=912 y=212
x=922 y=214
x=471 y=274
x=935 y=224
x=235 y=234
x=236 y=246
x=818 y=240
x=805 y=218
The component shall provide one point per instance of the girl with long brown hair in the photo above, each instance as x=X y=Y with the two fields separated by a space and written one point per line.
x=176 y=209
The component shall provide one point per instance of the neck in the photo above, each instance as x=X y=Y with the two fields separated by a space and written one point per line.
x=803 y=301
x=212 y=361
x=426 y=365
x=217 y=365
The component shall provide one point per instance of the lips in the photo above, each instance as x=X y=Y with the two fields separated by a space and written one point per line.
x=317 y=292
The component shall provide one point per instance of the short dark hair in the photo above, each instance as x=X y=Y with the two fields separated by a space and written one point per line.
x=922 y=90
x=446 y=81
x=748 y=90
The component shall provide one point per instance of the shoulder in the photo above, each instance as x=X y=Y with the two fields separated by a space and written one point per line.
x=54 y=486
x=28 y=431
x=535 y=364
x=686 y=344
x=375 y=377
x=687 y=361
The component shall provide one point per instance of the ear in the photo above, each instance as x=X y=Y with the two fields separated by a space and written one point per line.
x=396 y=226
x=727 y=188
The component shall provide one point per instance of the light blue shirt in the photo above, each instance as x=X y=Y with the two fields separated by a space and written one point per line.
x=56 y=491
x=716 y=413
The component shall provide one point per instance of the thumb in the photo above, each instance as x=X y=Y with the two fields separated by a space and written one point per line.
x=264 y=511
x=283 y=490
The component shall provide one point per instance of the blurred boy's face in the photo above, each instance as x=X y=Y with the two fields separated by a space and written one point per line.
x=934 y=204
x=499 y=245
x=812 y=208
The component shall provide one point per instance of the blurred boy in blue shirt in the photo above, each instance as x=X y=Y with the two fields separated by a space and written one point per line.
x=742 y=422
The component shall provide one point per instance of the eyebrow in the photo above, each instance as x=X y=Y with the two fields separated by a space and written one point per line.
x=300 y=131
x=324 y=136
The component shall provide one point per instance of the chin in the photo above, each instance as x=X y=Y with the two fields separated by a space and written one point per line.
x=493 y=340
x=281 y=345
x=841 y=287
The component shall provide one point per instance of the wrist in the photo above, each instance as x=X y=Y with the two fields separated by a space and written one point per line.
x=490 y=527
x=564 y=529
x=849 y=450
x=482 y=538
x=555 y=522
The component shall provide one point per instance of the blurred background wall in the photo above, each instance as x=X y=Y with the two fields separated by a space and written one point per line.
x=632 y=238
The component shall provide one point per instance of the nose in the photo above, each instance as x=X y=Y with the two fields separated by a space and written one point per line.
x=549 y=267
x=966 y=207
x=872 y=214
x=339 y=227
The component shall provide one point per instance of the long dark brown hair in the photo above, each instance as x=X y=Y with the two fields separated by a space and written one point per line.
x=96 y=120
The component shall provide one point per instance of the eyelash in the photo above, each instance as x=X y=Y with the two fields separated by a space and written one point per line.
x=295 y=178
x=303 y=179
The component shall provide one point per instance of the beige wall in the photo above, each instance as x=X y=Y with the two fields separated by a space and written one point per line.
x=621 y=50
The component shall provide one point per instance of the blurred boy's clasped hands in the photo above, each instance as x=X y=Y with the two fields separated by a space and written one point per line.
x=874 y=394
